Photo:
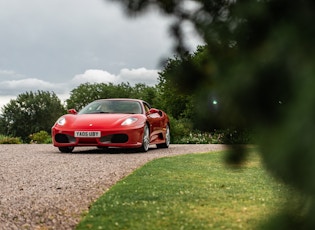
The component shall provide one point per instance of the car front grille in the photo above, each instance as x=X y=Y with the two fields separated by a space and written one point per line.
x=63 y=138
x=116 y=138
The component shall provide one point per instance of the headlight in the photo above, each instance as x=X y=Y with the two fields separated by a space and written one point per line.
x=61 y=121
x=129 y=121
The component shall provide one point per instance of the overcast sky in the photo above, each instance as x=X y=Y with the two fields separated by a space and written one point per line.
x=56 y=45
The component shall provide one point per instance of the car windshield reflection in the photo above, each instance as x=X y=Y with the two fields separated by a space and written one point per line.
x=112 y=106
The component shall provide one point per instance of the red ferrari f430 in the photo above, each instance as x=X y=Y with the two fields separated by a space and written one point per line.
x=125 y=123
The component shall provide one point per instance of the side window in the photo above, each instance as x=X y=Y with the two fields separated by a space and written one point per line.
x=146 y=107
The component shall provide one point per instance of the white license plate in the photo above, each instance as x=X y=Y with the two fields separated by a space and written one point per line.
x=87 y=134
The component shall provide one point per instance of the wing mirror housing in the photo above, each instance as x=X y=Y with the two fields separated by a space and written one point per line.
x=153 y=110
x=72 y=111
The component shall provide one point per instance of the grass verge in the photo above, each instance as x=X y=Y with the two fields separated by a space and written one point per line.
x=195 y=191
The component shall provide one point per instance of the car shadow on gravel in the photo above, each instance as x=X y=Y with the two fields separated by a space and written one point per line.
x=110 y=151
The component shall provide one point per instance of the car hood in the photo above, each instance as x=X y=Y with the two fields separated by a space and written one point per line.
x=97 y=121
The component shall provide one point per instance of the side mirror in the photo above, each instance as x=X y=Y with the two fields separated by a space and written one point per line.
x=153 y=110
x=72 y=111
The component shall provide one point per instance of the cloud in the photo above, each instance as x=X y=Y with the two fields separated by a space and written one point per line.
x=133 y=76
x=140 y=75
x=57 y=38
x=30 y=83
x=5 y=100
x=6 y=72
x=10 y=89
x=9 y=74
x=94 y=76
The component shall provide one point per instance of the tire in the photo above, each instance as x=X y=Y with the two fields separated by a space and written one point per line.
x=66 y=149
x=145 y=139
x=167 y=138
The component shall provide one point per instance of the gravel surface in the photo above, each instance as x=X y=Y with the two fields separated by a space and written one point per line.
x=41 y=188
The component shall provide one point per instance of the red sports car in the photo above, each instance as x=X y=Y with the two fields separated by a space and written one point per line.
x=125 y=123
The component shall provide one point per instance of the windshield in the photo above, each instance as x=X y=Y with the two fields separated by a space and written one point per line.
x=112 y=106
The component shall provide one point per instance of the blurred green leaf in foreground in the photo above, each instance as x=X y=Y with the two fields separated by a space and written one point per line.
x=259 y=63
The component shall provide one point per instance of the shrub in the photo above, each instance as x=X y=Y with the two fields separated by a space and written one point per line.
x=41 y=137
x=227 y=136
x=10 y=140
x=198 y=137
x=179 y=129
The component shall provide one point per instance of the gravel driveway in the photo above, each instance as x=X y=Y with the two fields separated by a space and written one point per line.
x=41 y=188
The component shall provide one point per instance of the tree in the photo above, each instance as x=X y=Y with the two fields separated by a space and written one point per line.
x=86 y=93
x=2 y=125
x=146 y=93
x=30 y=113
x=175 y=102
x=261 y=56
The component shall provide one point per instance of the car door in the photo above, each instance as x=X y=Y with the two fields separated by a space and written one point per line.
x=155 y=118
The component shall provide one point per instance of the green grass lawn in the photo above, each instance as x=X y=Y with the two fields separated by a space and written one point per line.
x=195 y=191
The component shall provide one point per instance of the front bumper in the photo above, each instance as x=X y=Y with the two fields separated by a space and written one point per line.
x=125 y=138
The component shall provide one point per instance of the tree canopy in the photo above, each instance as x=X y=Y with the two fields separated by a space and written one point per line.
x=30 y=113
x=86 y=93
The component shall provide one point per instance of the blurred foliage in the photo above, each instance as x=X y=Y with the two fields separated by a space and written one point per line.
x=204 y=108
x=259 y=63
x=41 y=137
x=29 y=113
